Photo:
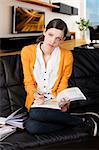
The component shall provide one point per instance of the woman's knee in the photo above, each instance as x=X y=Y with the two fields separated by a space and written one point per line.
x=37 y=127
x=32 y=126
x=38 y=113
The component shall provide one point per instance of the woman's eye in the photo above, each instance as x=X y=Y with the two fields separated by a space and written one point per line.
x=50 y=34
x=59 y=39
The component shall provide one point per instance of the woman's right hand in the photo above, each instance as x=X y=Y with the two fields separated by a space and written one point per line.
x=38 y=98
x=64 y=104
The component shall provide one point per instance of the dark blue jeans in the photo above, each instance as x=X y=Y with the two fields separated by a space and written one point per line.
x=45 y=120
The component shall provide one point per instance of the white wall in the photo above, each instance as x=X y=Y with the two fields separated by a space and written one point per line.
x=5 y=15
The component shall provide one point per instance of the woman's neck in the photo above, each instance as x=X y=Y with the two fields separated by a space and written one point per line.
x=45 y=50
x=46 y=54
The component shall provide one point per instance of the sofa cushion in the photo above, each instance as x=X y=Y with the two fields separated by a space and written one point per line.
x=2 y=77
x=5 y=108
x=12 y=92
x=23 y=140
x=86 y=73
x=12 y=96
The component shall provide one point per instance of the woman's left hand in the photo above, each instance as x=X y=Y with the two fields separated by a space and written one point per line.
x=64 y=104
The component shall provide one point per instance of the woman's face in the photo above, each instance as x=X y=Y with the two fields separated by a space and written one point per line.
x=53 y=38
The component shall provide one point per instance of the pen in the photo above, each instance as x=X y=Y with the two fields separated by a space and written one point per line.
x=44 y=95
x=53 y=100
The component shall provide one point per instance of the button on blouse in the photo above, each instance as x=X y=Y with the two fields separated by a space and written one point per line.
x=46 y=76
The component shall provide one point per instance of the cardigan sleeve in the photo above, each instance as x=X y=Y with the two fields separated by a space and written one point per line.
x=28 y=60
x=66 y=71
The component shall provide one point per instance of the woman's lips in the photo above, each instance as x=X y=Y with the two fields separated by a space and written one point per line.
x=50 y=45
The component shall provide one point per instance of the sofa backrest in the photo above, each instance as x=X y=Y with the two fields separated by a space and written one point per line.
x=12 y=93
x=85 y=75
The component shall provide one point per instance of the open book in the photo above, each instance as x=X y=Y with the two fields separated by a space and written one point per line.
x=16 y=119
x=5 y=131
x=73 y=93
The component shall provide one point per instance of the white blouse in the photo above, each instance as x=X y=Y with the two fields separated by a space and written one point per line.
x=46 y=76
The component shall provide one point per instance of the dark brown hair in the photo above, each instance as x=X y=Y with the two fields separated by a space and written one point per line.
x=55 y=23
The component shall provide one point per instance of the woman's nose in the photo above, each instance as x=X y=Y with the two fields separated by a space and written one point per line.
x=53 y=40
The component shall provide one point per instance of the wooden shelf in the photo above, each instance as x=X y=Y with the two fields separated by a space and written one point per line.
x=39 y=2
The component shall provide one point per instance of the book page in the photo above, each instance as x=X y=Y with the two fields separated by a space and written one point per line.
x=2 y=120
x=15 y=123
x=13 y=114
x=48 y=104
x=5 y=131
x=16 y=119
x=73 y=93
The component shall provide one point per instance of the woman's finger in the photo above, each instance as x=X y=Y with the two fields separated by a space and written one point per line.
x=37 y=95
x=39 y=101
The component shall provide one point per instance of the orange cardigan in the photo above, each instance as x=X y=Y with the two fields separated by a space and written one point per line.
x=28 y=57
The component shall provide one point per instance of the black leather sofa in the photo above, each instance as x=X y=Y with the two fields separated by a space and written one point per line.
x=94 y=32
x=85 y=75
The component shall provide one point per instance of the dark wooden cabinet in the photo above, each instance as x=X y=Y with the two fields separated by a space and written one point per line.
x=65 y=9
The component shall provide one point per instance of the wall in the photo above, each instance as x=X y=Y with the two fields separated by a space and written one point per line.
x=5 y=16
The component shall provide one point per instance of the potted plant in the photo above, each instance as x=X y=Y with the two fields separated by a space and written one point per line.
x=83 y=26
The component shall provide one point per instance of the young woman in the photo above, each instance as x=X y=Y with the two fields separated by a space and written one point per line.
x=47 y=68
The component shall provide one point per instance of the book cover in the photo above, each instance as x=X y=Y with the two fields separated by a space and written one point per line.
x=16 y=119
